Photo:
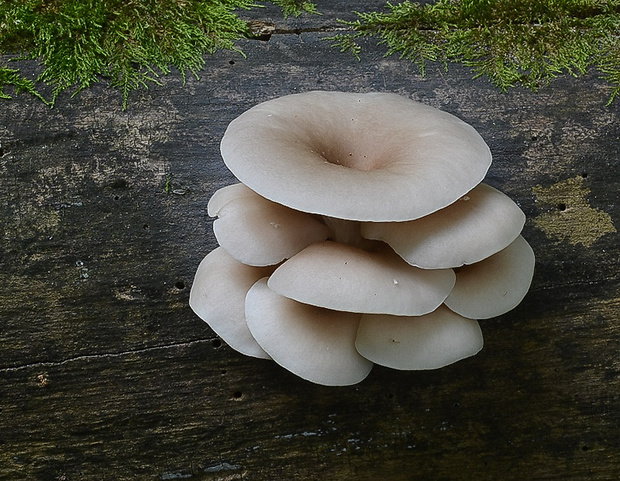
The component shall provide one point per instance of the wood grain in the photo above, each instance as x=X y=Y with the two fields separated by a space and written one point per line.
x=105 y=372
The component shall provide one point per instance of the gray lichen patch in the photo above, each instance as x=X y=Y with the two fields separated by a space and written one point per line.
x=572 y=218
x=135 y=137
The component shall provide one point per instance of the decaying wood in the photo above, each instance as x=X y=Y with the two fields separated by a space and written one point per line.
x=105 y=372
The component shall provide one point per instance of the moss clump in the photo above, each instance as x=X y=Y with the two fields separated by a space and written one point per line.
x=127 y=43
x=130 y=43
x=510 y=41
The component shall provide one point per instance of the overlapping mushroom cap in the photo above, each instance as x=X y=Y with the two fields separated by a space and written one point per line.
x=360 y=234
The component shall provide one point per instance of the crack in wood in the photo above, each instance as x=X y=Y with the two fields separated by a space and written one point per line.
x=263 y=31
x=111 y=355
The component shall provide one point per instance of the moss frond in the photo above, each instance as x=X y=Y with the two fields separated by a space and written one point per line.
x=126 y=43
x=11 y=76
x=510 y=41
x=610 y=68
x=296 y=7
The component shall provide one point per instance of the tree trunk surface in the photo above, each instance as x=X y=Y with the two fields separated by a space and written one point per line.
x=107 y=374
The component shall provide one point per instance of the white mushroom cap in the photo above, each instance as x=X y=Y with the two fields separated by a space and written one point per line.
x=412 y=343
x=345 y=278
x=474 y=227
x=218 y=294
x=223 y=196
x=372 y=157
x=259 y=232
x=495 y=285
x=315 y=344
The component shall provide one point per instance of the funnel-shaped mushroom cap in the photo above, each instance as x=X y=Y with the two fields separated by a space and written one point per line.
x=474 y=227
x=345 y=278
x=259 y=232
x=412 y=343
x=373 y=157
x=218 y=298
x=495 y=285
x=315 y=344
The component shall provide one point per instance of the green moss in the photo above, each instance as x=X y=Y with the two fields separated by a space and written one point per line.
x=126 y=43
x=11 y=76
x=510 y=41
x=295 y=7
x=129 y=44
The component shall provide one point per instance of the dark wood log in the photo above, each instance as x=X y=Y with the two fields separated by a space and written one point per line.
x=105 y=372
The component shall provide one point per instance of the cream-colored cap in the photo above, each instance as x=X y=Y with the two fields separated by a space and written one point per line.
x=479 y=224
x=218 y=294
x=412 y=343
x=342 y=277
x=369 y=156
x=315 y=344
x=495 y=285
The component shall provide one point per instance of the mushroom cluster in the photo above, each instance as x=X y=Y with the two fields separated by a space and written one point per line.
x=360 y=233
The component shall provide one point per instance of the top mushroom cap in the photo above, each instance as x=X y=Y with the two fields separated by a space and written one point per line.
x=369 y=157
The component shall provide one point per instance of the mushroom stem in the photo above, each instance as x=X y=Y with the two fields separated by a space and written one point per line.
x=346 y=232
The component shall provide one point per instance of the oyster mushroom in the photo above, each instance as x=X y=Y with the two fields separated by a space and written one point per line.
x=479 y=224
x=218 y=295
x=415 y=343
x=360 y=234
x=314 y=343
x=373 y=156
x=345 y=278
x=495 y=285
x=259 y=232
x=223 y=196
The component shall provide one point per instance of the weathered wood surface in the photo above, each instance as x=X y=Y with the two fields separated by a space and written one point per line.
x=105 y=372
